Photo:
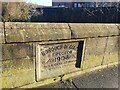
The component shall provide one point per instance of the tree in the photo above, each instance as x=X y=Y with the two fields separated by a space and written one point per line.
x=16 y=11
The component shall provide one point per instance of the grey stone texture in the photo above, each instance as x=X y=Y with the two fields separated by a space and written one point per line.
x=119 y=44
x=28 y=25
x=17 y=72
x=93 y=30
x=2 y=39
x=27 y=32
x=57 y=61
x=19 y=56
x=94 y=52
x=31 y=32
x=17 y=51
x=113 y=30
x=111 y=51
x=18 y=65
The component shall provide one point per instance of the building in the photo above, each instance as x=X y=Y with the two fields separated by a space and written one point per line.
x=83 y=3
x=66 y=3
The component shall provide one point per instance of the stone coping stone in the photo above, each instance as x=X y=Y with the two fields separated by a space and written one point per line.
x=29 y=32
x=84 y=30
x=31 y=25
x=31 y=35
x=36 y=32
x=119 y=28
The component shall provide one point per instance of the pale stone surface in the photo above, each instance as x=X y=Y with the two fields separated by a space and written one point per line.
x=18 y=58
x=29 y=35
x=56 y=59
x=17 y=51
x=79 y=31
x=111 y=51
x=2 y=40
x=118 y=27
x=113 y=30
x=1 y=24
x=28 y=32
x=17 y=65
x=119 y=43
x=94 y=52
x=17 y=72
x=93 y=30
x=28 y=25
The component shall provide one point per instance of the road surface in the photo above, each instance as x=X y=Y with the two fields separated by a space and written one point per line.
x=105 y=78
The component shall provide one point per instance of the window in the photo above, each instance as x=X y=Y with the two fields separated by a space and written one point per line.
x=75 y=4
x=79 y=5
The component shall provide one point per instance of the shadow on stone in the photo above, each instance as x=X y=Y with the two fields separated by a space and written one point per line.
x=79 y=54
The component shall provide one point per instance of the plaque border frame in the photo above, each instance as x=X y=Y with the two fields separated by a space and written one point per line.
x=37 y=56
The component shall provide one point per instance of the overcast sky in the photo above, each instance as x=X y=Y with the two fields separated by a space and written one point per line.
x=49 y=2
x=41 y=2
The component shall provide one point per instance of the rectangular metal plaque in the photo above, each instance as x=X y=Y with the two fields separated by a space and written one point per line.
x=56 y=59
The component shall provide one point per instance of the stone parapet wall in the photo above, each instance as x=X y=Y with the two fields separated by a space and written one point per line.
x=30 y=32
x=34 y=52
x=93 y=30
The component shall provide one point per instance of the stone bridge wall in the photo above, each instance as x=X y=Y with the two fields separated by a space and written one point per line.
x=32 y=52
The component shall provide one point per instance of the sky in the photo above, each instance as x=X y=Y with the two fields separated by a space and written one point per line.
x=41 y=2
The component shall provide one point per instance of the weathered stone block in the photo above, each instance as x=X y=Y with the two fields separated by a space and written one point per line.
x=58 y=59
x=1 y=25
x=113 y=29
x=93 y=30
x=30 y=25
x=28 y=32
x=94 y=52
x=118 y=26
x=17 y=51
x=118 y=48
x=1 y=52
x=2 y=40
x=29 y=35
x=79 y=30
x=17 y=72
x=111 y=50
x=102 y=30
